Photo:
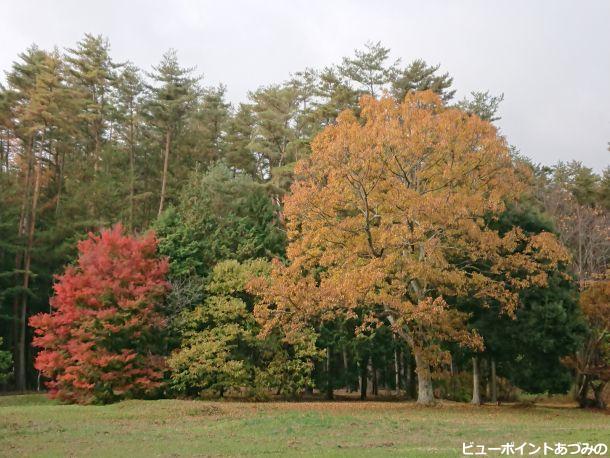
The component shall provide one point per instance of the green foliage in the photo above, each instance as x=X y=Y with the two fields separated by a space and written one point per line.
x=218 y=336
x=220 y=215
x=289 y=364
x=419 y=76
x=546 y=327
x=6 y=364
x=219 y=344
x=482 y=104
x=368 y=68
x=221 y=351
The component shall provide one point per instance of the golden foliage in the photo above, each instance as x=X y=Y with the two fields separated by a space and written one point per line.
x=391 y=213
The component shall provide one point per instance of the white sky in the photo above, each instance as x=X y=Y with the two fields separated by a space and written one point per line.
x=551 y=58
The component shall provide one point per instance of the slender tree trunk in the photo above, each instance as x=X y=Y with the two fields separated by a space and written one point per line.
x=363 y=379
x=425 y=394
x=494 y=382
x=19 y=257
x=369 y=373
x=348 y=385
x=165 y=169
x=329 y=381
x=397 y=369
x=476 y=382
x=453 y=381
x=402 y=370
x=375 y=377
x=583 y=391
x=132 y=172
x=60 y=180
x=410 y=372
x=21 y=373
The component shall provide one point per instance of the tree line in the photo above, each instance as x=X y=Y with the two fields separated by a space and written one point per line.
x=353 y=227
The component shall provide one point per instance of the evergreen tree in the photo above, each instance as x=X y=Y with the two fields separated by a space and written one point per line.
x=172 y=99
x=239 y=154
x=220 y=215
x=419 y=76
x=482 y=104
x=369 y=68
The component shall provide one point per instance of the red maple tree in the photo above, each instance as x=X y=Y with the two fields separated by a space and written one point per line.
x=102 y=340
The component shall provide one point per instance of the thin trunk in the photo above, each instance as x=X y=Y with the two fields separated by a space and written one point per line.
x=476 y=391
x=363 y=379
x=409 y=376
x=375 y=381
x=329 y=381
x=598 y=392
x=494 y=382
x=369 y=373
x=397 y=370
x=19 y=257
x=583 y=391
x=348 y=386
x=453 y=380
x=132 y=173
x=165 y=169
x=60 y=180
x=21 y=378
x=425 y=394
x=402 y=370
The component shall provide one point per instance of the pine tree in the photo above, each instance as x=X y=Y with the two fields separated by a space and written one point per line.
x=369 y=68
x=419 y=76
x=172 y=99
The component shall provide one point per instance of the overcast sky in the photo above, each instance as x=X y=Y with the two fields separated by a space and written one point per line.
x=551 y=59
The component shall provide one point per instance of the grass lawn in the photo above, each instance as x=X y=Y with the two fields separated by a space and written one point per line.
x=32 y=425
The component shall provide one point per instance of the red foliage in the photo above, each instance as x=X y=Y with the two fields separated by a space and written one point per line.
x=102 y=340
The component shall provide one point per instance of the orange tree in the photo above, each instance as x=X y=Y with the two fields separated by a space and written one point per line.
x=389 y=219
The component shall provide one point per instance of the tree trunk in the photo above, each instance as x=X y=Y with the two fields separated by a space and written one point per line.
x=60 y=181
x=132 y=173
x=494 y=382
x=165 y=169
x=363 y=379
x=329 y=381
x=369 y=374
x=375 y=377
x=21 y=372
x=583 y=391
x=425 y=394
x=348 y=385
x=598 y=391
x=476 y=382
x=19 y=257
x=397 y=370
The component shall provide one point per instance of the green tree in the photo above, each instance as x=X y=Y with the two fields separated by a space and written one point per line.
x=209 y=125
x=369 y=68
x=220 y=215
x=219 y=346
x=129 y=99
x=527 y=348
x=419 y=76
x=172 y=99
x=482 y=104
x=239 y=154
x=6 y=364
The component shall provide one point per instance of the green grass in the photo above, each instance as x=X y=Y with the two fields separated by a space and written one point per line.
x=31 y=425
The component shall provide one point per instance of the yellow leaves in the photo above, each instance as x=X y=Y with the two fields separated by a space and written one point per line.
x=389 y=217
x=595 y=302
